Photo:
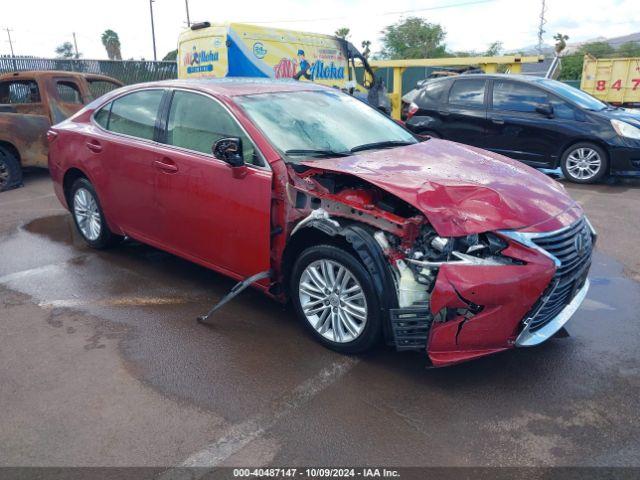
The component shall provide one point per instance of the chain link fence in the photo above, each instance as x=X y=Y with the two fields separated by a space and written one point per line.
x=127 y=71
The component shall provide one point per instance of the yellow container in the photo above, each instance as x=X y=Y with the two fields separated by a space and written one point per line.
x=614 y=80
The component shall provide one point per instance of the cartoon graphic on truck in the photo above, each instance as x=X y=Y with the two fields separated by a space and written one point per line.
x=242 y=50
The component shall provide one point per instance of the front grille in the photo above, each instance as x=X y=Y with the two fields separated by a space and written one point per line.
x=572 y=247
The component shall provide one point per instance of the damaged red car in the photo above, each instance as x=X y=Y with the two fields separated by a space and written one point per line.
x=314 y=197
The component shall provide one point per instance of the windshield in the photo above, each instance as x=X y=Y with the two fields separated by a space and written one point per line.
x=321 y=123
x=580 y=98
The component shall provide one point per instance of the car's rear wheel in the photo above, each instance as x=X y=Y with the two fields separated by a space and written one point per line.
x=334 y=297
x=89 y=217
x=10 y=171
x=584 y=163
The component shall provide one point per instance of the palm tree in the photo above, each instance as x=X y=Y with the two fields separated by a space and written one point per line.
x=111 y=43
x=343 y=33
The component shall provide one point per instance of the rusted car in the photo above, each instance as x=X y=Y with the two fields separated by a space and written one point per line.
x=30 y=102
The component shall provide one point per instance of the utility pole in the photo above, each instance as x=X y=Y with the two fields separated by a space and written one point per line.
x=75 y=44
x=153 y=32
x=10 y=42
x=13 y=56
x=186 y=3
x=543 y=21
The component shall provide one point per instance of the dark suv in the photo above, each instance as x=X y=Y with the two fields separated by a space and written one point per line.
x=541 y=122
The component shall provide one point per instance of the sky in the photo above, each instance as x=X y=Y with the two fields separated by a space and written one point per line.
x=38 y=26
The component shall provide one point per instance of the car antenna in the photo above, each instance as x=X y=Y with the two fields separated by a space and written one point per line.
x=235 y=291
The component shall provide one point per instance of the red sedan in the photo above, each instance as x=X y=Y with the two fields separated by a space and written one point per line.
x=372 y=234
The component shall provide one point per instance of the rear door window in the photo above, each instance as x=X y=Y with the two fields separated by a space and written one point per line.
x=467 y=93
x=134 y=114
x=517 y=97
x=19 y=91
x=68 y=92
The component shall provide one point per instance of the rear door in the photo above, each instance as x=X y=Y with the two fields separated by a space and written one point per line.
x=124 y=145
x=204 y=211
x=24 y=119
x=68 y=98
x=517 y=130
x=464 y=116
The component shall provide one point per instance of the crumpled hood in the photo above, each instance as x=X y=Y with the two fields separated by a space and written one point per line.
x=461 y=189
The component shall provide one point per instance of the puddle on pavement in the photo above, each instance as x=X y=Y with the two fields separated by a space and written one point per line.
x=59 y=228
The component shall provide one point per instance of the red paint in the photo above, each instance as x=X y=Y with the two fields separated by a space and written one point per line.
x=198 y=207
x=460 y=189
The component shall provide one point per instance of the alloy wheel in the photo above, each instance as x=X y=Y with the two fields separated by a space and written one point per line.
x=85 y=209
x=333 y=301
x=583 y=163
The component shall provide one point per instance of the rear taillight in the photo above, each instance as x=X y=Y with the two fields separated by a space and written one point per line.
x=412 y=110
x=51 y=136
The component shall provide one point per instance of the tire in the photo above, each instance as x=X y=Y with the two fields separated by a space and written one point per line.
x=353 y=326
x=88 y=216
x=584 y=162
x=10 y=171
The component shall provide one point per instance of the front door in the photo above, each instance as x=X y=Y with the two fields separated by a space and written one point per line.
x=205 y=212
x=516 y=129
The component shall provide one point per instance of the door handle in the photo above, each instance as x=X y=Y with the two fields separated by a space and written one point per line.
x=94 y=146
x=165 y=165
x=443 y=113
x=497 y=121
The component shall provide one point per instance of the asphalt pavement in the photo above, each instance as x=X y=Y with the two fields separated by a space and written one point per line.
x=102 y=363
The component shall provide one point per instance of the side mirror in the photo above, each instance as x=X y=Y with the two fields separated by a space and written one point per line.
x=546 y=110
x=229 y=150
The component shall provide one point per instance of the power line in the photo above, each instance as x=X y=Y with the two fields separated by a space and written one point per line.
x=382 y=14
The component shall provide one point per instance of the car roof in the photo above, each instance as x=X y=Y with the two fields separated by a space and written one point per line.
x=495 y=76
x=29 y=74
x=232 y=87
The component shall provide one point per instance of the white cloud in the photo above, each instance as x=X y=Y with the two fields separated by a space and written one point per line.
x=41 y=25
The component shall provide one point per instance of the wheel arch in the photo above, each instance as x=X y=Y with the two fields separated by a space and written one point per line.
x=358 y=240
x=11 y=148
x=575 y=141
x=70 y=176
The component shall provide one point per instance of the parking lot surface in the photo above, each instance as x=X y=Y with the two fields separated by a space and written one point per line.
x=103 y=363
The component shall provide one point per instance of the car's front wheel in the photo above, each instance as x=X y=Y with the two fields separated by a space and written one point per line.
x=584 y=163
x=89 y=217
x=334 y=296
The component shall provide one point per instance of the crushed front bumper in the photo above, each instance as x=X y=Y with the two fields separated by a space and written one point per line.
x=479 y=310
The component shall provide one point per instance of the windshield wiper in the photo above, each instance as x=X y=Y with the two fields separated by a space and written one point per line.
x=385 y=144
x=315 y=153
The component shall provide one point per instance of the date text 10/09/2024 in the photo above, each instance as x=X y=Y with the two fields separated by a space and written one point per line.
x=316 y=473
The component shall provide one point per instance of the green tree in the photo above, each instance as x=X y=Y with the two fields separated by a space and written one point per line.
x=629 y=49
x=111 y=43
x=572 y=64
x=494 y=49
x=413 y=37
x=171 y=56
x=65 y=50
x=343 y=32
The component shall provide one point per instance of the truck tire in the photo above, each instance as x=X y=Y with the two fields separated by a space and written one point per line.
x=334 y=297
x=10 y=171
x=89 y=217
